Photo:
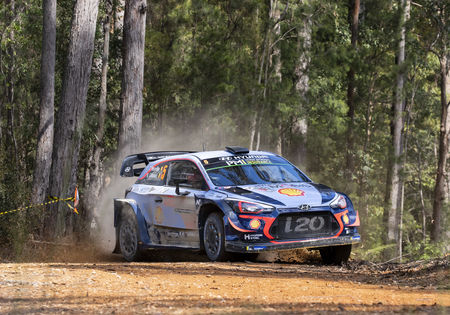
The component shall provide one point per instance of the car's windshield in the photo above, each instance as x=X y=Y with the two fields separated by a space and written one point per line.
x=251 y=169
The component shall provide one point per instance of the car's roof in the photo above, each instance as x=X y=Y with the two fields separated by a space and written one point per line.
x=212 y=154
x=204 y=155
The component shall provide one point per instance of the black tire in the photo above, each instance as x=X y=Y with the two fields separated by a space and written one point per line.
x=335 y=255
x=129 y=236
x=214 y=238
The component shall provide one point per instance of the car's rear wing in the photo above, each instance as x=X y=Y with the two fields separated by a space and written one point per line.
x=134 y=164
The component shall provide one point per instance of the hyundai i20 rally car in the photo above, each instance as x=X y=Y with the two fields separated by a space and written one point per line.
x=232 y=201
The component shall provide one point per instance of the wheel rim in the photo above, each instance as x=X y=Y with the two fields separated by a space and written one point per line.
x=212 y=238
x=128 y=239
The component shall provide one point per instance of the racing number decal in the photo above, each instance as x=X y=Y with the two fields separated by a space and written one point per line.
x=162 y=172
x=305 y=224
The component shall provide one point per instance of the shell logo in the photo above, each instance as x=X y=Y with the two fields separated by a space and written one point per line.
x=292 y=192
x=346 y=219
x=255 y=224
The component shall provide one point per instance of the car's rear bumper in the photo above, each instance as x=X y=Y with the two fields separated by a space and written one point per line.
x=245 y=247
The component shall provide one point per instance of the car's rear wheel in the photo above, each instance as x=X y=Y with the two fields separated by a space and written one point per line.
x=129 y=236
x=335 y=255
x=214 y=237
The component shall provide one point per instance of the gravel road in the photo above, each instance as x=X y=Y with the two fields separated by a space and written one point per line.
x=190 y=285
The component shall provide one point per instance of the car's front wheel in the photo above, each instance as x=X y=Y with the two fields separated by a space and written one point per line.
x=128 y=236
x=335 y=255
x=214 y=237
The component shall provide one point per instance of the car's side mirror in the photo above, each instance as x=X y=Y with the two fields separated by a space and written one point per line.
x=178 y=192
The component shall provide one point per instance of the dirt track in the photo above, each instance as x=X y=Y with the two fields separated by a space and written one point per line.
x=180 y=286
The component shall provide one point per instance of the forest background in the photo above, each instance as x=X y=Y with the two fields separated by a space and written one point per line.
x=353 y=92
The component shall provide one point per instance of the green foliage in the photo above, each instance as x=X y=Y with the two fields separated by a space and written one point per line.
x=203 y=63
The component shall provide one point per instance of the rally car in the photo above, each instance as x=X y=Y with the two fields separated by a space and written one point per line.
x=228 y=202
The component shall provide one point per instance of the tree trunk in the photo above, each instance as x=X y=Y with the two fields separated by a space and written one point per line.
x=422 y=201
x=44 y=141
x=270 y=57
x=279 y=147
x=11 y=142
x=302 y=86
x=402 y=187
x=70 y=117
x=119 y=8
x=353 y=14
x=275 y=57
x=275 y=62
x=94 y=178
x=253 y=127
x=133 y=76
x=362 y=181
x=397 y=166
x=439 y=190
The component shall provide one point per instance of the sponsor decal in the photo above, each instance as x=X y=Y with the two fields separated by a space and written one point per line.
x=178 y=234
x=345 y=218
x=242 y=157
x=184 y=210
x=255 y=247
x=249 y=237
x=173 y=234
x=127 y=169
x=238 y=160
x=247 y=162
x=292 y=192
x=159 y=215
x=259 y=247
x=141 y=189
x=255 y=224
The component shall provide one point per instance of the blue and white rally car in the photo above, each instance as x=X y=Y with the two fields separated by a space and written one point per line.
x=232 y=201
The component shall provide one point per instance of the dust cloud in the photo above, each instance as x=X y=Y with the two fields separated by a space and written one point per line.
x=174 y=139
x=196 y=139
x=102 y=226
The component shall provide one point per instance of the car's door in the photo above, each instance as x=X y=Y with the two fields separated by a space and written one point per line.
x=147 y=191
x=177 y=218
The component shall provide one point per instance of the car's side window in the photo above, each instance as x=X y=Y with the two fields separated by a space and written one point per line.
x=186 y=174
x=157 y=175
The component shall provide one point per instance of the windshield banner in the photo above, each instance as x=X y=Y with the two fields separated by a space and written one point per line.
x=240 y=160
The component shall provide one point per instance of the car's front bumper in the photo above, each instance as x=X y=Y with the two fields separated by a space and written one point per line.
x=245 y=247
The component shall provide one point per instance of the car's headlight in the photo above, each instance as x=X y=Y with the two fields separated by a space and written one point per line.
x=338 y=202
x=241 y=206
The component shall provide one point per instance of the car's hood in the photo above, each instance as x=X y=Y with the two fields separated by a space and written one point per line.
x=288 y=194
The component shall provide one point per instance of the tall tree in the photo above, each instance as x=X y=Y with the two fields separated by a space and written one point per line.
x=270 y=60
x=94 y=177
x=353 y=16
x=261 y=52
x=441 y=17
x=44 y=149
x=70 y=117
x=133 y=76
x=302 y=84
x=10 y=79
x=398 y=123
x=275 y=61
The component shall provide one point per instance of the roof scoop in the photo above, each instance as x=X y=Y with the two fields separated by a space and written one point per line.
x=237 y=150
